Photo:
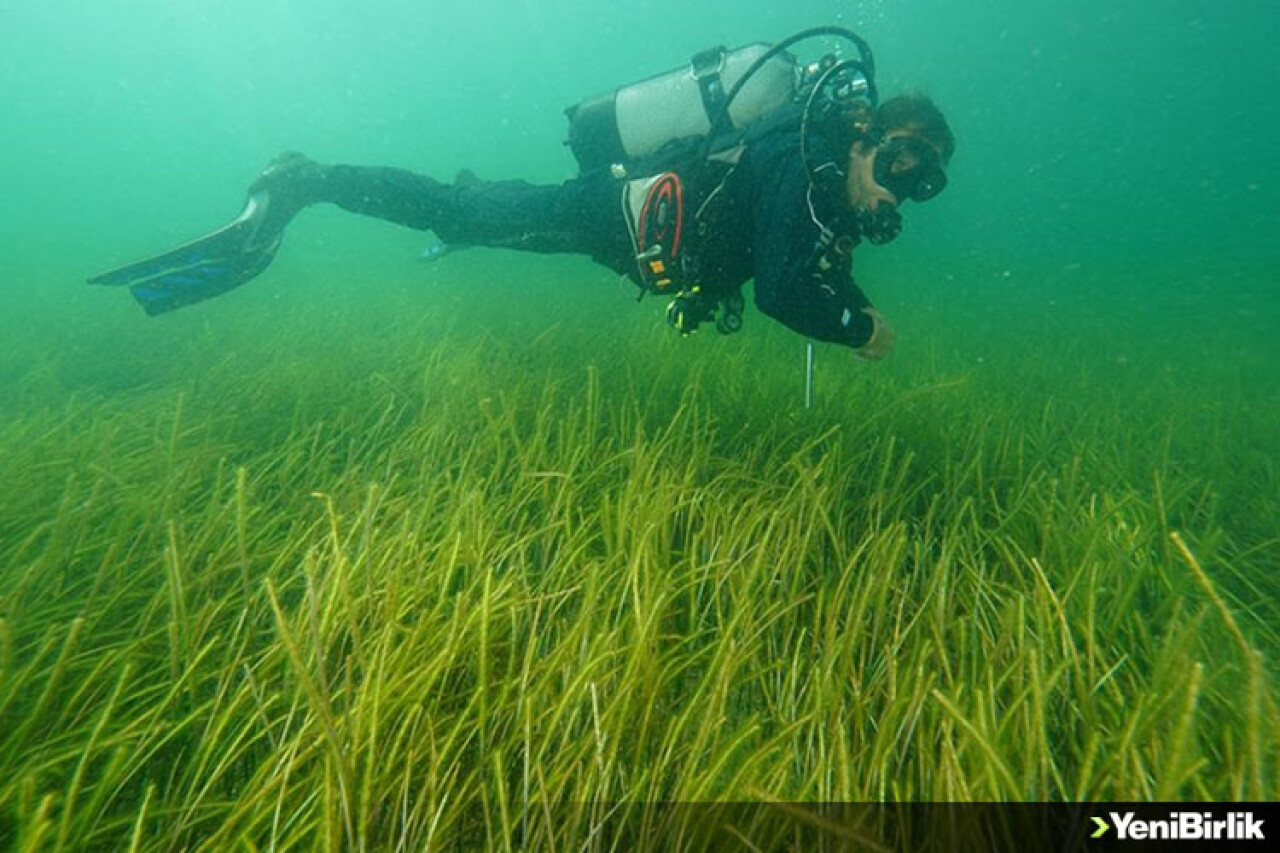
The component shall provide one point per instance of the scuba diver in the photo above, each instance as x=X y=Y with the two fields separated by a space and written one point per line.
x=745 y=164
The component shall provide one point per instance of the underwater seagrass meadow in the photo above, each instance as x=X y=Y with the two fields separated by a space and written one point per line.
x=377 y=554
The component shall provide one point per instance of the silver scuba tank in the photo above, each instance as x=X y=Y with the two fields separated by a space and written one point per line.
x=635 y=121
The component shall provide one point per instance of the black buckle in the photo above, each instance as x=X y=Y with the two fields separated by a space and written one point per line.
x=706 y=63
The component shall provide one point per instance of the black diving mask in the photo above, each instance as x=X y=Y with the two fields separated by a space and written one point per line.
x=909 y=167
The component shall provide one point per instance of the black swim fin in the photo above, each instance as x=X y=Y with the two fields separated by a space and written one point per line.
x=235 y=253
x=205 y=267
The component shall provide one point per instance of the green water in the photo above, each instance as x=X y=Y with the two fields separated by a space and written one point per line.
x=1104 y=148
x=1113 y=198
x=1095 y=293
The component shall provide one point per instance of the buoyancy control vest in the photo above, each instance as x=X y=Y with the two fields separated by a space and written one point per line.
x=674 y=138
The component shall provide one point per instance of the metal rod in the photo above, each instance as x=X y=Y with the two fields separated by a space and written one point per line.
x=808 y=376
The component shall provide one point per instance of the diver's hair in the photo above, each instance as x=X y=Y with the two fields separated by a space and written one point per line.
x=917 y=113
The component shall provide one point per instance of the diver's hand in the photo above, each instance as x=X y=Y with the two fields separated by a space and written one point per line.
x=881 y=340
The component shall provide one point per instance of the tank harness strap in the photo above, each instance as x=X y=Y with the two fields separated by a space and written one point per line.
x=706 y=67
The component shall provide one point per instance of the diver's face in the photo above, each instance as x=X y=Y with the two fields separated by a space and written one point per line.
x=901 y=166
x=864 y=192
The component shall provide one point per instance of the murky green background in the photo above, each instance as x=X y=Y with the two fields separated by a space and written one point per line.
x=1114 y=195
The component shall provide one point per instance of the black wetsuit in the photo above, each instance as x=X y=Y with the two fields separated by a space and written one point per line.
x=759 y=226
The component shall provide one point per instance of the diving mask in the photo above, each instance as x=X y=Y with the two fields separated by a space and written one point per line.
x=909 y=167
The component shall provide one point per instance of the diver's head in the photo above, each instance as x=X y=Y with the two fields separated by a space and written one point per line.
x=900 y=155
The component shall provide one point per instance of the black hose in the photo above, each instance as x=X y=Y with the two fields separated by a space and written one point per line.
x=807 y=116
x=864 y=50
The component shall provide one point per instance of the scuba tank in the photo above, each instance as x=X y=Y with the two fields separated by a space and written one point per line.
x=636 y=121
x=718 y=93
x=674 y=138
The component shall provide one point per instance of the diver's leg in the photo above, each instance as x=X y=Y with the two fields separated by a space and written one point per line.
x=581 y=215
